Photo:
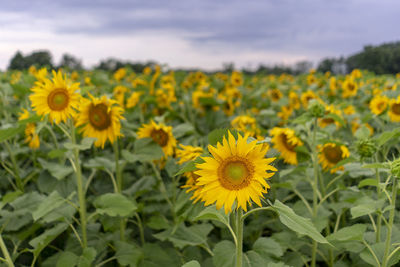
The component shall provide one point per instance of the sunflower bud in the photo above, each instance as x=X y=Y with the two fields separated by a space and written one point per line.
x=316 y=109
x=395 y=168
x=366 y=148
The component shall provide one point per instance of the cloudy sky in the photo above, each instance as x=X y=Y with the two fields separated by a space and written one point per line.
x=196 y=33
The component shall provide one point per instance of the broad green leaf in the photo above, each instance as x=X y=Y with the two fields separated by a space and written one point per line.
x=362 y=132
x=114 y=204
x=67 y=259
x=53 y=201
x=355 y=170
x=368 y=182
x=365 y=206
x=211 y=213
x=156 y=256
x=87 y=257
x=43 y=240
x=386 y=136
x=217 y=135
x=267 y=247
x=186 y=236
x=8 y=133
x=145 y=150
x=182 y=129
x=354 y=232
x=190 y=166
x=192 y=264
x=384 y=165
x=297 y=223
x=56 y=170
x=224 y=254
x=85 y=144
x=128 y=254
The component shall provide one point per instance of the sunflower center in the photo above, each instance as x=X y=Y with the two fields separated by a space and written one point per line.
x=396 y=108
x=99 y=117
x=381 y=106
x=160 y=137
x=235 y=173
x=351 y=87
x=328 y=120
x=58 y=99
x=333 y=154
x=285 y=142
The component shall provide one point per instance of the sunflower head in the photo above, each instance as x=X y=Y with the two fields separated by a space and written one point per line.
x=236 y=171
x=101 y=119
x=330 y=154
x=285 y=141
x=378 y=104
x=394 y=110
x=161 y=134
x=57 y=97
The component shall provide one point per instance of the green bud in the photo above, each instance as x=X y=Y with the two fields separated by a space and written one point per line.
x=316 y=109
x=366 y=148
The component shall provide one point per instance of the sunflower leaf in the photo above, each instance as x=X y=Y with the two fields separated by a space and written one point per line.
x=297 y=223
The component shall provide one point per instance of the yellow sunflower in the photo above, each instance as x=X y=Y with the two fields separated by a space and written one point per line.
x=306 y=97
x=330 y=154
x=236 y=172
x=349 y=87
x=394 y=109
x=161 y=134
x=285 y=141
x=325 y=121
x=100 y=118
x=275 y=94
x=57 y=97
x=246 y=124
x=31 y=136
x=133 y=100
x=378 y=104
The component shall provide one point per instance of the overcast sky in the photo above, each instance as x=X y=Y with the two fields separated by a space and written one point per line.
x=201 y=33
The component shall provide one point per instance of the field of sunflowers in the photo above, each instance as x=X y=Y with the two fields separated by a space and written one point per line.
x=165 y=168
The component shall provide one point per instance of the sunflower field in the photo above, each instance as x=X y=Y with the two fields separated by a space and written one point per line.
x=165 y=168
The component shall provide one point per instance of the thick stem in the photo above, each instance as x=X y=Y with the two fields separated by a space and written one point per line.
x=118 y=172
x=81 y=191
x=239 y=236
x=5 y=253
x=390 y=224
x=315 y=188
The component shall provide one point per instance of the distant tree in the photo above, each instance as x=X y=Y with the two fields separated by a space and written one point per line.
x=17 y=62
x=303 y=66
x=70 y=62
x=334 y=65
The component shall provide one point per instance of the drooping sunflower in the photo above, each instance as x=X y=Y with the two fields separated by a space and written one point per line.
x=236 y=172
x=285 y=141
x=330 y=154
x=56 y=97
x=394 y=110
x=161 y=134
x=378 y=104
x=100 y=118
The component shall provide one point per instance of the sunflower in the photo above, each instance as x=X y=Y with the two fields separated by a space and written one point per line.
x=349 y=87
x=236 y=78
x=306 y=97
x=246 y=124
x=236 y=171
x=294 y=100
x=325 y=121
x=189 y=153
x=161 y=134
x=330 y=154
x=394 y=110
x=378 y=104
x=31 y=136
x=275 y=95
x=285 y=141
x=56 y=98
x=133 y=100
x=100 y=118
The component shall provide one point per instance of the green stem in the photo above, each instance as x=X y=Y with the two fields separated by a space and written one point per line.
x=118 y=172
x=239 y=236
x=390 y=225
x=379 y=215
x=79 y=183
x=315 y=188
x=5 y=253
x=18 y=179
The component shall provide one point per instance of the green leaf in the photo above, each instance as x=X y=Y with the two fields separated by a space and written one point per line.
x=224 y=254
x=145 y=150
x=217 y=135
x=128 y=254
x=297 y=223
x=365 y=206
x=191 y=264
x=114 y=204
x=43 y=240
x=211 y=213
x=53 y=201
x=85 y=144
x=57 y=170
x=186 y=236
x=302 y=119
x=67 y=259
x=386 y=136
x=355 y=170
x=362 y=132
x=31 y=119
x=8 y=133
x=354 y=233
x=384 y=165
x=190 y=166
x=267 y=247
x=87 y=257
x=368 y=182
x=336 y=117
x=182 y=129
